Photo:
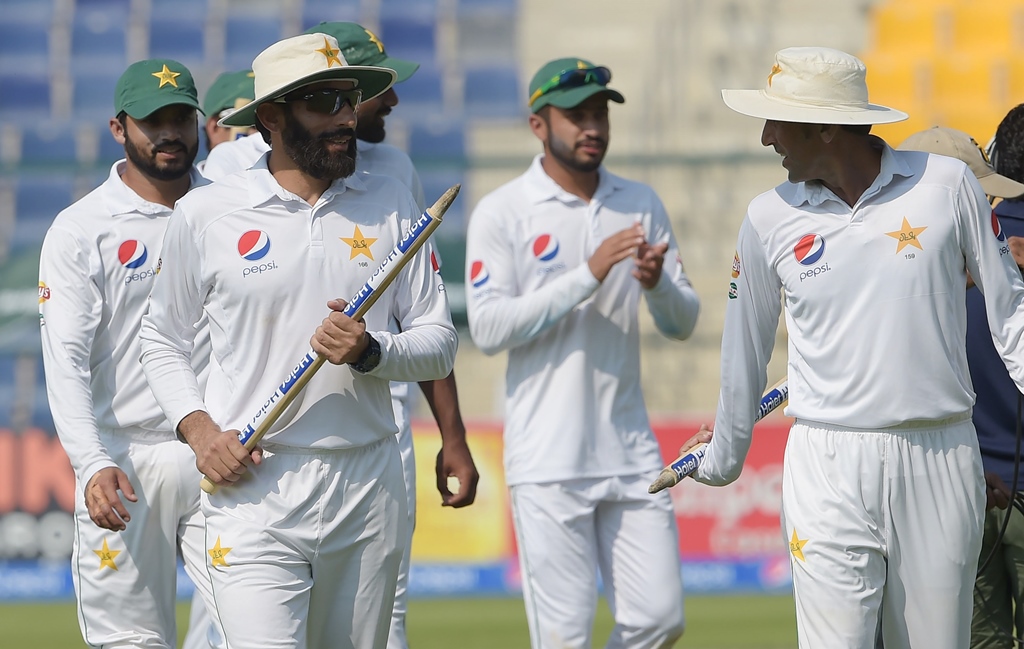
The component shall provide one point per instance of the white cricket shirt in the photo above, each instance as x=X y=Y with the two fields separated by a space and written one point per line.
x=875 y=302
x=263 y=263
x=574 y=408
x=234 y=155
x=97 y=266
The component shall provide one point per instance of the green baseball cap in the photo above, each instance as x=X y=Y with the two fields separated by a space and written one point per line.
x=147 y=86
x=566 y=83
x=360 y=46
x=226 y=89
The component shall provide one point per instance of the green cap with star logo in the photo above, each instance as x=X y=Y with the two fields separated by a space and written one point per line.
x=360 y=46
x=227 y=89
x=147 y=86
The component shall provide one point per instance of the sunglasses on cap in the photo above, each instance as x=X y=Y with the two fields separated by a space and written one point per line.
x=571 y=79
x=327 y=101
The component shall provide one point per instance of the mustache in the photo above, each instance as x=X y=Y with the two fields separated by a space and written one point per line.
x=594 y=141
x=336 y=135
x=170 y=147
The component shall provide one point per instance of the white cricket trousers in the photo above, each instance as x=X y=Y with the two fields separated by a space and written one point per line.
x=305 y=551
x=566 y=531
x=397 y=638
x=884 y=529
x=126 y=581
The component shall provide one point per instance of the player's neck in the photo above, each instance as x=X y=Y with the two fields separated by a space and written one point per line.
x=576 y=182
x=161 y=192
x=289 y=176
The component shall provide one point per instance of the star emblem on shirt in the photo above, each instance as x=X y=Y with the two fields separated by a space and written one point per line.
x=218 y=554
x=166 y=76
x=796 y=546
x=107 y=556
x=375 y=40
x=907 y=236
x=360 y=244
x=775 y=70
x=330 y=53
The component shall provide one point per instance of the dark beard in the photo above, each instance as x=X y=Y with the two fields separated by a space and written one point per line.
x=150 y=167
x=372 y=133
x=310 y=154
x=564 y=154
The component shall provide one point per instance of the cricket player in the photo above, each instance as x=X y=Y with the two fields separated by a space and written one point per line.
x=307 y=532
x=360 y=46
x=883 y=495
x=228 y=91
x=136 y=498
x=557 y=262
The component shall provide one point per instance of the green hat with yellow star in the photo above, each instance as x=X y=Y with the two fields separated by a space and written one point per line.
x=360 y=46
x=147 y=86
x=227 y=89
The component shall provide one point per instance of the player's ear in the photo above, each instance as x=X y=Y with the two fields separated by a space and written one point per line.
x=271 y=115
x=539 y=125
x=828 y=132
x=117 y=126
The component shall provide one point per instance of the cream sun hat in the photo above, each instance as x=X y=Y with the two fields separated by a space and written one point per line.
x=813 y=85
x=299 y=61
x=957 y=144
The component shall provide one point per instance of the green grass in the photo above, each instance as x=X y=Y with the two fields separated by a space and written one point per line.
x=713 y=622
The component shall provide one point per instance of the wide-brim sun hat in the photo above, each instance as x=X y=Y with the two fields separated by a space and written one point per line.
x=813 y=85
x=957 y=144
x=300 y=61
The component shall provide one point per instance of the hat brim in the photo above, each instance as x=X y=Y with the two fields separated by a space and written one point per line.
x=404 y=69
x=373 y=81
x=572 y=97
x=756 y=103
x=145 y=107
x=998 y=185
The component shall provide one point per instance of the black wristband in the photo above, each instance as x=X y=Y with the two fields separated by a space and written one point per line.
x=369 y=359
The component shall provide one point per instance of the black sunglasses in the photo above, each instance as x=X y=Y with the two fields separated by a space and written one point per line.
x=327 y=101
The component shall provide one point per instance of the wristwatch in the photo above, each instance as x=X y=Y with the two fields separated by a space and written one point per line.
x=369 y=359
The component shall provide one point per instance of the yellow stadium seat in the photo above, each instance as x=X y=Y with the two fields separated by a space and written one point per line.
x=896 y=80
x=905 y=28
x=969 y=81
x=986 y=27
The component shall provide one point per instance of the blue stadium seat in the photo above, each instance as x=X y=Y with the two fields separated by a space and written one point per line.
x=434 y=141
x=110 y=150
x=48 y=145
x=436 y=182
x=470 y=5
x=39 y=410
x=7 y=389
x=245 y=37
x=25 y=99
x=92 y=98
x=187 y=10
x=99 y=39
x=24 y=47
x=421 y=93
x=419 y=8
x=39 y=12
x=410 y=37
x=178 y=39
x=38 y=198
x=315 y=12
x=493 y=92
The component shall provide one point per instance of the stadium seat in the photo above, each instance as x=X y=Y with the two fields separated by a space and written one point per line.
x=247 y=36
x=410 y=37
x=905 y=28
x=38 y=198
x=49 y=145
x=422 y=93
x=435 y=182
x=92 y=98
x=493 y=92
x=434 y=141
x=897 y=81
x=986 y=27
x=484 y=36
x=24 y=47
x=315 y=12
x=25 y=99
x=110 y=151
x=971 y=82
x=187 y=10
x=181 y=40
x=27 y=11
x=99 y=39
x=420 y=9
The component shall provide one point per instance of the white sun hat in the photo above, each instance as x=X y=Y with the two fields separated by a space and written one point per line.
x=299 y=61
x=813 y=85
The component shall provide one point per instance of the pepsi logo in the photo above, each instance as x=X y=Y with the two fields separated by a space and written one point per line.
x=478 y=275
x=435 y=263
x=809 y=249
x=997 y=227
x=253 y=245
x=132 y=254
x=545 y=247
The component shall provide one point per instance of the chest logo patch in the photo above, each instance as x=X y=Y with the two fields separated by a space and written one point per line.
x=359 y=244
x=808 y=250
x=907 y=236
x=254 y=245
x=545 y=247
x=132 y=254
x=997 y=228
